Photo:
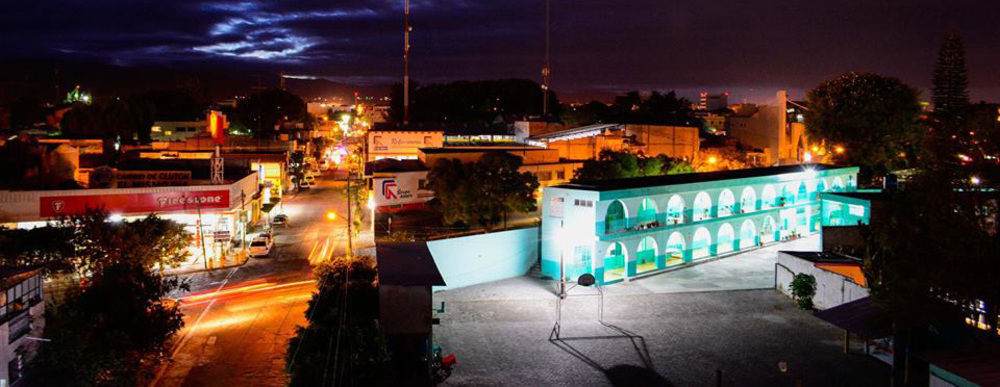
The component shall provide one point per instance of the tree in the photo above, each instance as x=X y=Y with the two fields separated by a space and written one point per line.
x=449 y=179
x=45 y=247
x=485 y=192
x=110 y=331
x=472 y=102
x=112 y=327
x=150 y=242
x=924 y=259
x=950 y=92
x=502 y=188
x=262 y=111
x=612 y=164
x=343 y=341
x=873 y=117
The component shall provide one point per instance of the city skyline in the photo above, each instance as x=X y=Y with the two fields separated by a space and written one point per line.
x=597 y=51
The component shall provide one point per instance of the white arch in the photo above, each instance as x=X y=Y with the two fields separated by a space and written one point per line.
x=748 y=234
x=702 y=208
x=617 y=272
x=726 y=236
x=767 y=229
x=675 y=209
x=838 y=184
x=646 y=262
x=767 y=197
x=748 y=200
x=802 y=192
x=612 y=228
x=700 y=243
x=674 y=249
x=726 y=202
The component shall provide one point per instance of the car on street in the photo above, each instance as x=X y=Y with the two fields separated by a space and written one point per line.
x=310 y=179
x=280 y=220
x=261 y=246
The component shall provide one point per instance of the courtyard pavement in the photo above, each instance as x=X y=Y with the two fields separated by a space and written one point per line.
x=679 y=328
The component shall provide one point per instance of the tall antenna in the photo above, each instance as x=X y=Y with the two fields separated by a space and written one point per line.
x=545 y=66
x=406 y=62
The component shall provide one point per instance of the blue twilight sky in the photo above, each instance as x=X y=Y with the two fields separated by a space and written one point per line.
x=750 y=48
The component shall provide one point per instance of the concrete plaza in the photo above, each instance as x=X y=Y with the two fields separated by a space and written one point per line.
x=677 y=328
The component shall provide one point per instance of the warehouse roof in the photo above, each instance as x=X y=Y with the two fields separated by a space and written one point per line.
x=688 y=178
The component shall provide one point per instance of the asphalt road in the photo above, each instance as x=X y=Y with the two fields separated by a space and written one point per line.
x=238 y=320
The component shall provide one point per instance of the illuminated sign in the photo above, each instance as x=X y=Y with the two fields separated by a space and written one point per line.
x=139 y=203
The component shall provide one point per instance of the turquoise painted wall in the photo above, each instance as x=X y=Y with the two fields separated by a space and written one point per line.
x=477 y=259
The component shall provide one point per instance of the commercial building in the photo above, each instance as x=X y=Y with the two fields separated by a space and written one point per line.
x=713 y=102
x=587 y=142
x=224 y=211
x=400 y=144
x=618 y=229
x=777 y=129
x=22 y=320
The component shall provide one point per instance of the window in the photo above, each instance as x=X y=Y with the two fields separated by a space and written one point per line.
x=421 y=184
x=545 y=176
x=583 y=203
x=561 y=175
x=14 y=368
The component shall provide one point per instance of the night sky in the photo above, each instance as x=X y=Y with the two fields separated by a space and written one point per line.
x=750 y=48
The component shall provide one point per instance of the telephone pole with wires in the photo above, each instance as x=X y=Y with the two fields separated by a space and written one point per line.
x=545 y=66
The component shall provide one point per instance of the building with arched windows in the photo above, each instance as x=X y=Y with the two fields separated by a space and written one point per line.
x=619 y=229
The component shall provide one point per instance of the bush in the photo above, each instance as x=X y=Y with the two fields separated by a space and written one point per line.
x=803 y=288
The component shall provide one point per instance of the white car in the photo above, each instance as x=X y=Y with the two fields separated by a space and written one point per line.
x=261 y=246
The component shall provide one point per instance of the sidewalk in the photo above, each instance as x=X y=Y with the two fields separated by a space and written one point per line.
x=237 y=258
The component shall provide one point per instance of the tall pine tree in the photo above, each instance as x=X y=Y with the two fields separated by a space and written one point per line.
x=951 y=94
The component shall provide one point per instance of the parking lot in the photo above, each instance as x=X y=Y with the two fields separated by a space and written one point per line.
x=681 y=328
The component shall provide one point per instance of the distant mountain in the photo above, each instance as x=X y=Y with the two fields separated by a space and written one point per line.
x=52 y=79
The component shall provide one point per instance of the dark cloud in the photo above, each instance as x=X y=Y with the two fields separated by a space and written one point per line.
x=749 y=47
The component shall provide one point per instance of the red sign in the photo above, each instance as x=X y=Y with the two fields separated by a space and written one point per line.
x=142 y=203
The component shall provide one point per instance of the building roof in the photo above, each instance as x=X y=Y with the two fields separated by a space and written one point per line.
x=577 y=132
x=406 y=263
x=11 y=276
x=474 y=149
x=688 y=178
x=823 y=257
x=233 y=169
x=857 y=317
x=974 y=360
x=863 y=195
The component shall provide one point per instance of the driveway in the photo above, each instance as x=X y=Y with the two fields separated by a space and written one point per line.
x=686 y=327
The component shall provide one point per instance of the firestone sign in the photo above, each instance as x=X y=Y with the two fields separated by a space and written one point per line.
x=53 y=206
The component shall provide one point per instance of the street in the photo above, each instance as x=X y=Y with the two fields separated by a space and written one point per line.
x=238 y=320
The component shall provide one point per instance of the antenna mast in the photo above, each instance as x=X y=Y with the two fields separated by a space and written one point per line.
x=545 y=66
x=406 y=62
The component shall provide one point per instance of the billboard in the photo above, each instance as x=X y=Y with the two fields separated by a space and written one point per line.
x=137 y=203
x=403 y=143
x=130 y=179
x=403 y=188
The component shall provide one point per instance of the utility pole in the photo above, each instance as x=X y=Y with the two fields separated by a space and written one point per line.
x=350 y=234
x=545 y=66
x=406 y=62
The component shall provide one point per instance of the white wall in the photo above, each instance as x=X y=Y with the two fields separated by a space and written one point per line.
x=832 y=289
x=477 y=259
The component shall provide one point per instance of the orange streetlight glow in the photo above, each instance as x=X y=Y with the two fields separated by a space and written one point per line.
x=712 y=160
x=838 y=149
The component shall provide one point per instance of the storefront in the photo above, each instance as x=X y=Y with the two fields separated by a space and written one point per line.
x=217 y=216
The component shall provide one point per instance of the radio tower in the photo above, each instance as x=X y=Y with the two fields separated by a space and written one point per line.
x=545 y=67
x=406 y=62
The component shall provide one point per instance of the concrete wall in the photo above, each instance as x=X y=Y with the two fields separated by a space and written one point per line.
x=832 y=289
x=477 y=259
x=673 y=141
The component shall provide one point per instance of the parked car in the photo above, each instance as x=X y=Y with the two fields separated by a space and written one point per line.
x=261 y=246
x=310 y=179
x=280 y=220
